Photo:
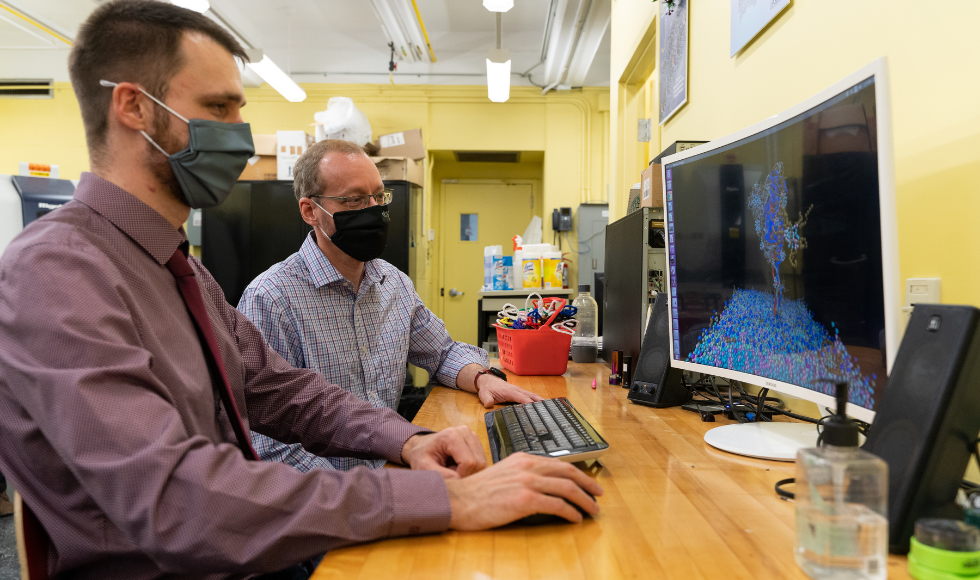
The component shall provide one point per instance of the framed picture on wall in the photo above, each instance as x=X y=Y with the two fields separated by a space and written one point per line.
x=749 y=17
x=673 y=57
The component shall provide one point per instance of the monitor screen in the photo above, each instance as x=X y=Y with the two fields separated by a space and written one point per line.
x=776 y=254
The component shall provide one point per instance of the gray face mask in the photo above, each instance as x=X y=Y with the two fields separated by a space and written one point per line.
x=213 y=161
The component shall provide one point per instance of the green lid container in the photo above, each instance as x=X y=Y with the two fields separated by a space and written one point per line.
x=928 y=563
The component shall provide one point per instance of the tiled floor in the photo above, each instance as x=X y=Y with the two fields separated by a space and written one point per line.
x=9 y=568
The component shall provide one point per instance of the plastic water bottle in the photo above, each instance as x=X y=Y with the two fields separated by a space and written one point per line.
x=585 y=343
x=841 y=504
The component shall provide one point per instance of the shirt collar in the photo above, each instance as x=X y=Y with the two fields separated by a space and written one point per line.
x=322 y=272
x=150 y=230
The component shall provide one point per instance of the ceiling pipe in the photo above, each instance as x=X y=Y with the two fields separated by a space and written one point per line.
x=35 y=21
x=545 y=38
x=580 y=17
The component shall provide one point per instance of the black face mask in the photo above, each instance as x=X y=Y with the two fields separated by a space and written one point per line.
x=361 y=233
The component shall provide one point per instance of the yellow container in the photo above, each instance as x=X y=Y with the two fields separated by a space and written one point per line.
x=532 y=273
x=551 y=273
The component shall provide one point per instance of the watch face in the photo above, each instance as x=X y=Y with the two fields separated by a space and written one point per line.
x=498 y=373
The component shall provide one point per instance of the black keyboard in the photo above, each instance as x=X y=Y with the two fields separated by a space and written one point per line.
x=550 y=428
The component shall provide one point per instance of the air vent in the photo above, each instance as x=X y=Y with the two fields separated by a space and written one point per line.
x=488 y=156
x=26 y=89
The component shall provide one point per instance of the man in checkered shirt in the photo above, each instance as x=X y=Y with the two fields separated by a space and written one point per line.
x=356 y=319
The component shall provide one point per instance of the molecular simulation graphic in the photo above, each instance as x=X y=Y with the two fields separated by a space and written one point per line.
x=774 y=228
x=762 y=333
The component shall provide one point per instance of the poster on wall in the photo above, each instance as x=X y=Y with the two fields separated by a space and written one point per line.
x=749 y=17
x=673 y=58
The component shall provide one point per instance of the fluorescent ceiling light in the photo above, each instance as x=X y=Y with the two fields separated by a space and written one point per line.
x=195 y=5
x=402 y=26
x=574 y=36
x=498 y=5
x=498 y=75
x=273 y=75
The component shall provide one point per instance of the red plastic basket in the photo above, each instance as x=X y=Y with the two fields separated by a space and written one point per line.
x=533 y=352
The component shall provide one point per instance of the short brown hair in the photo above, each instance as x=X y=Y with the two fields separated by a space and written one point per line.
x=307 y=180
x=134 y=41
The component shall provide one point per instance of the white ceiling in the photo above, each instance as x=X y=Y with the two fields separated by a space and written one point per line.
x=338 y=41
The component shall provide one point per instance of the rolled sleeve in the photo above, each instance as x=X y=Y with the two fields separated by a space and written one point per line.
x=460 y=354
x=431 y=347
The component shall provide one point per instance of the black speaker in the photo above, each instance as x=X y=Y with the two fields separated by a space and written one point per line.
x=928 y=417
x=655 y=382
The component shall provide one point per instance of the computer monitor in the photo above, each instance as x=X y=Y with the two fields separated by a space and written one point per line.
x=783 y=256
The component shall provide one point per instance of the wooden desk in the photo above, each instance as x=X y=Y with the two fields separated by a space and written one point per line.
x=673 y=507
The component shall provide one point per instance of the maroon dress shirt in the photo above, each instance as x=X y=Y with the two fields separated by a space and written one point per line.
x=111 y=430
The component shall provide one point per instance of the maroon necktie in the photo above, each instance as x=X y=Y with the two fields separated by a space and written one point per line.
x=191 y=292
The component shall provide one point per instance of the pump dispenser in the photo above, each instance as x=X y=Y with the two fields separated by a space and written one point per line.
x=841 y=503
x=839 y=429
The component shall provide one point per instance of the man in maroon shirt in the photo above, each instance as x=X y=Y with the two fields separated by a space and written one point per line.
x=121 y=416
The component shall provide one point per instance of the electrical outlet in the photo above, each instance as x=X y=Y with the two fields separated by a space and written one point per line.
x=922 y=291
x=919 y=291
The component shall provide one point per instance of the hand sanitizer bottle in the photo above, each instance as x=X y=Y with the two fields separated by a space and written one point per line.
x=841 y=504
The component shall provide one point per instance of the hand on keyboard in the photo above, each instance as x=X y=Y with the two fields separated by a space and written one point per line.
x=519 y=486
x=494 y=391
x=454 y=452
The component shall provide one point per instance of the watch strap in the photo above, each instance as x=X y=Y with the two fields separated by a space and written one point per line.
x=476 y=379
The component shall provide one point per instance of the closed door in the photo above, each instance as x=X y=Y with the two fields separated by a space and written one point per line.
x=475 y=215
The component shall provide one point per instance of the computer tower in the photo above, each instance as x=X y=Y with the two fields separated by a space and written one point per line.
x=928 y=418
x=635 y=270
x=260 y=225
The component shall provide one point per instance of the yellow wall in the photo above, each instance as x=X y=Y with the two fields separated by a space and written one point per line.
x=811 y=45
x=43 y=131
x=633 y=58
x=934 y=94
x=567 y=128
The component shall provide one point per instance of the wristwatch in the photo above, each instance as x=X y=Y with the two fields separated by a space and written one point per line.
x=488 y=371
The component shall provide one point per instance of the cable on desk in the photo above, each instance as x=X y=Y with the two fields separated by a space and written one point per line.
x=782 y=492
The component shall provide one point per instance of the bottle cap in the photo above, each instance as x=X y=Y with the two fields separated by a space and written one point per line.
x=584 y=287
x=839 y=429
x=950 y=535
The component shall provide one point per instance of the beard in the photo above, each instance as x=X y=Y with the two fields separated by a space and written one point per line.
x=157 y=162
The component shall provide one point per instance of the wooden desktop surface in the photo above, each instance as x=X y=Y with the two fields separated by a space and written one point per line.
x=673 y=507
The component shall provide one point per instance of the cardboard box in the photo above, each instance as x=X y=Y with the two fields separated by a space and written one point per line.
x=634 y=199
x=289 y=146
x=400 y=169
x=651 y=186
x=260 y=168
x=404 y=144
x=264 y=144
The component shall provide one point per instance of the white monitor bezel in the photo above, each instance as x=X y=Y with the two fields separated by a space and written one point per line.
x=889 y=227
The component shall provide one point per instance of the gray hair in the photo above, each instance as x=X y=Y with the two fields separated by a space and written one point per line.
x=307 y=179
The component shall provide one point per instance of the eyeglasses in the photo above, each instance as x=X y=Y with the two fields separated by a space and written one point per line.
x=361 y=201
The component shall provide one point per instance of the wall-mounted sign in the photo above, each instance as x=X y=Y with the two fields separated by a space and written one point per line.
x=673 y=58
x=749 y=17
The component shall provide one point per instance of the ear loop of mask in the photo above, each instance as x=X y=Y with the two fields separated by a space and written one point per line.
x=318 y=221
x=111 y=84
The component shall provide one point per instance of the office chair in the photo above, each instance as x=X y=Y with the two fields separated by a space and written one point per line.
x=32 y=542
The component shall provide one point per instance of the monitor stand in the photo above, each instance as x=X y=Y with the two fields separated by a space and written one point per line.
x=765 y=440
